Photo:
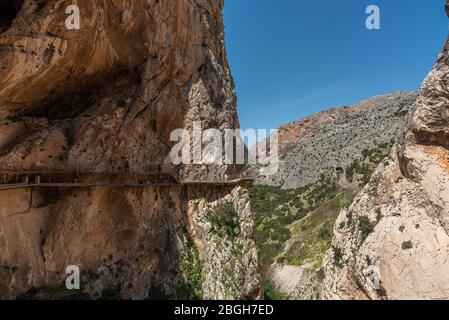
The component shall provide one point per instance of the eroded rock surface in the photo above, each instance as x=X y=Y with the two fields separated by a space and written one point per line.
x=105 y=98
x=329 y=141
x=393 y=241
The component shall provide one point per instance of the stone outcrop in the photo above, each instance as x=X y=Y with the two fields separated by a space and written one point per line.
x=393 y=241
x=105 y=98
x=329 y=141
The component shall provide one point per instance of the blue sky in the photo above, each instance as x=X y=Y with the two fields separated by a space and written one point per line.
x=291 y=58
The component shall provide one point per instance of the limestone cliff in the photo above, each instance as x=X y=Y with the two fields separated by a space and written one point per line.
x=105 y=98
x=393 y=241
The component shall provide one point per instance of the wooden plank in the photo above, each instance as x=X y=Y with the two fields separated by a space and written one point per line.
x=16 y=186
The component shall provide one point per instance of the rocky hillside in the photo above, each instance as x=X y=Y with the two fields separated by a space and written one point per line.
x=105 y=98
x=393 y=241
x=328 y=142
x=325 y=160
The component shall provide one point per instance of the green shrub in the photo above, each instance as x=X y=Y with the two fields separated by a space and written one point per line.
x=54 y=293
x=224 y=220
x=192 y=267
x=371 y=159
x=321 y=274
x=158 y=294
x=349 y=217
x=338 y=257
x=407 y=245
x=110 y=294
x=401 y=113
x=365 y=153
x=270 y=291
x=352 y=170
x=366 y=227
x=378 y=214
x=325 y=232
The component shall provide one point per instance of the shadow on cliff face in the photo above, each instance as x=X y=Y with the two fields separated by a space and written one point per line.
x=8 y=12
x=83 y=93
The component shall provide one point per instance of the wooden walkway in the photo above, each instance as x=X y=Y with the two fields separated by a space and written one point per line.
x=31 y=179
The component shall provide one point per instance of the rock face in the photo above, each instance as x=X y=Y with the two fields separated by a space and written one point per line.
x=393 y=241
x=329 y=141
x=105 y=98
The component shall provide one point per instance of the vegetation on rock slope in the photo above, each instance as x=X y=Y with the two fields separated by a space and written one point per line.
x=295 y=227
x=364 y=169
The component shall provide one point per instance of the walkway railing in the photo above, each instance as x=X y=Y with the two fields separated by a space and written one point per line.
x=49 y=179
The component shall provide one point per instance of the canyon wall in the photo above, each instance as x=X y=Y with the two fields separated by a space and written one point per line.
x=393 y=241
x=105 y=98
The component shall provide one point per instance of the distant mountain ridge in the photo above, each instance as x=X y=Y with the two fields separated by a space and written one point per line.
x=330 y=141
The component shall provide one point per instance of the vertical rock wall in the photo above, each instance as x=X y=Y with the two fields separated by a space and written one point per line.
x=105 y=98
x=393 y=241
